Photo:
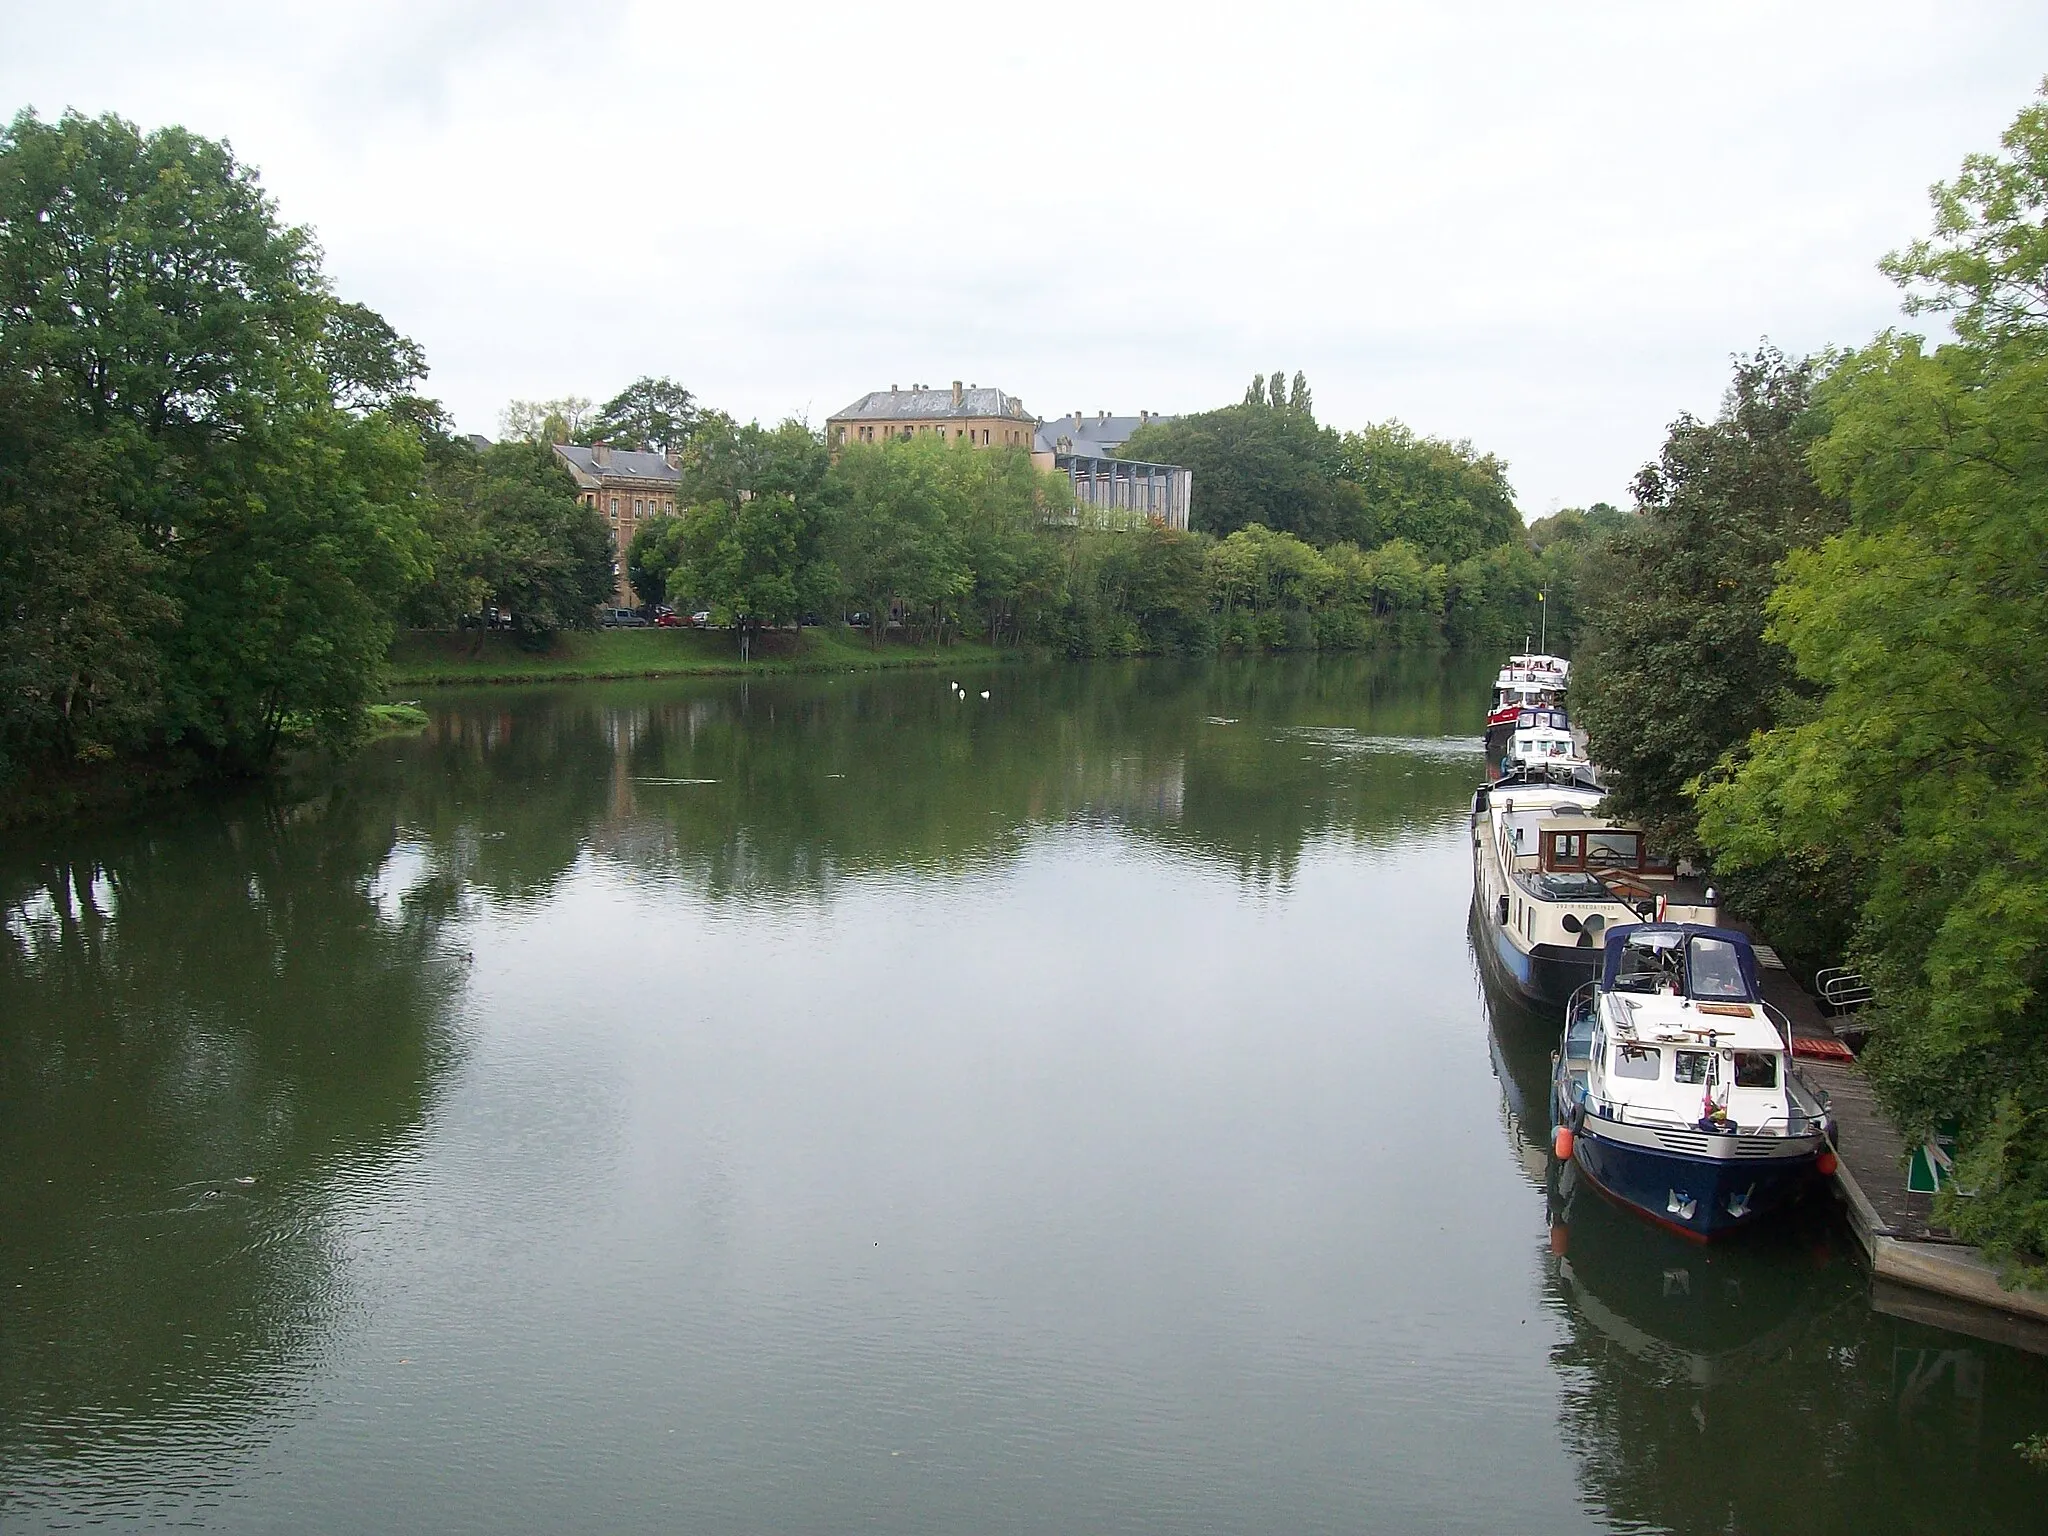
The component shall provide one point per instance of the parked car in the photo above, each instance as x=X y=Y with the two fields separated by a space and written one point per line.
x=701 y=617
x=622 y=618
x=670 y=621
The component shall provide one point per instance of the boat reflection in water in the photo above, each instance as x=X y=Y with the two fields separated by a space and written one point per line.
x=1749 y=1385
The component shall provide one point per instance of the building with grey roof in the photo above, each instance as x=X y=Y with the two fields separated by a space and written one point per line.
x=626 y=488
x=1082 y=447
x=988 y=418
x=1085 y=449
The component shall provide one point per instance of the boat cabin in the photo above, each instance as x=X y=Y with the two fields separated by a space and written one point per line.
x=1679 y=1034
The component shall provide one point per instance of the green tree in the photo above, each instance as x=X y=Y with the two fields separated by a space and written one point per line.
x=759 y=562
x=656 y=415
x=1676 y=667
x=1447 y=499
x=1254 y=464
x=1922 y=626
x=898 y=538
x=239 y=422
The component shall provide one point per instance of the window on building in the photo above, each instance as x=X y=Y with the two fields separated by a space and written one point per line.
x=615 y=509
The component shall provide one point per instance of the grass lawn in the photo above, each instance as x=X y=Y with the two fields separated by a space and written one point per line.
x=476 y=656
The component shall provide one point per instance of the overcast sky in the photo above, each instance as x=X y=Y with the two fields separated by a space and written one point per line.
x=1541 y=227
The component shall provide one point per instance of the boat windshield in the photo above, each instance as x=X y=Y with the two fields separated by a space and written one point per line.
x=1713 y=971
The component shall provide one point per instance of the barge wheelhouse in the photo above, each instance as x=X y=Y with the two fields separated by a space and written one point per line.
x=1551 y=875
x=1675 y=1091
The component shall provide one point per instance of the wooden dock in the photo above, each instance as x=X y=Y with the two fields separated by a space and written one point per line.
x=1910 y=1253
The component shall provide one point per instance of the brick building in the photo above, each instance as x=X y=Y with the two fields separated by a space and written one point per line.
x=627 y=489
x=986 y=417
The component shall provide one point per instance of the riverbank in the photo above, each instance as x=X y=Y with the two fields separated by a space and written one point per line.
x=430 y=658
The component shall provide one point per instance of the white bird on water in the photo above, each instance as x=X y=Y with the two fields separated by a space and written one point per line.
x=984 y=693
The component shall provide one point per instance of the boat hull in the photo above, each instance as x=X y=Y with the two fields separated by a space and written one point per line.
x=1700 y=1197
x=1544 y=975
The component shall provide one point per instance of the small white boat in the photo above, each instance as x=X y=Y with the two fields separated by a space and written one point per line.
x=1675 y=1091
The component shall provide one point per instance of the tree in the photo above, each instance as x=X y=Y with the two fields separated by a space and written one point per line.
x=81 y=618
x=543 y=555
x=652 y=560
x=546 y=421
x=657 y=415
x=1447 y=499
x=1677 y=667
x=1921 y=627
x=898 y=537
x=1253 y=464
x=236 y=420
x=758 y=563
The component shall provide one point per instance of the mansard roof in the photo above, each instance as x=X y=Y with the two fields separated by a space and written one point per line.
x=924 y=404
x=621 y=464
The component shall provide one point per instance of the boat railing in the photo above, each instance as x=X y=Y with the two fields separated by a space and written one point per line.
x=1842 y=989
x=1795 y=1123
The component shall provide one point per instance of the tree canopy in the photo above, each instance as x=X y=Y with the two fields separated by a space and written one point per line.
x=1918 y=630
x=249 y=494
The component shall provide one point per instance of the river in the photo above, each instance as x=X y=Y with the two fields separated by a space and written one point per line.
x=843 y=1102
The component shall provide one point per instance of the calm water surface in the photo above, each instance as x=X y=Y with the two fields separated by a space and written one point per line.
x=825 y=1104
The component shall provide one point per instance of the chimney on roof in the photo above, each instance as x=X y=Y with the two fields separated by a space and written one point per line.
x=892 y=391
x=675 y=460
x=956 y=394
x=1102 y=419
x=1143 y=417
x=601 y=454
x=1077 y=421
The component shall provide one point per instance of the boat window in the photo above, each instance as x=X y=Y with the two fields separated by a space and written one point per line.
x=1644 y=967
x=1691 y=1066
x=1643 y=1061
x=1756 y=1069
x=1714 y=971
x=1564 y=850
x=1614 y=849
x=1570 y=887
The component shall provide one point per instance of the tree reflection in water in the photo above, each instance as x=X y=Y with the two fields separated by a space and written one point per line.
x=207 y=1023
x=1749 y=1385
x=785 y=786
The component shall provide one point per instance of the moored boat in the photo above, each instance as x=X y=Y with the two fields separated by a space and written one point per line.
x=1528 y=681
x=1551 y=874
x=1674 y=1090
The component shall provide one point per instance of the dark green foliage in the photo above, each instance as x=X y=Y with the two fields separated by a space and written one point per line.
x=1266 y=461
x=1255 y=463
x=1678 y=668
x=237 y=485
x=1446 y=499
x=656 y=415
x=526 y=543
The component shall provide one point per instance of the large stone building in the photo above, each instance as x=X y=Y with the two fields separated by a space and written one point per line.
x=1081 y=447
x=1084 y=448
x=986 y=417
x=627 y=489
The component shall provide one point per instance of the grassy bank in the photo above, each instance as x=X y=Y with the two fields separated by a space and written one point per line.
x=428 y=657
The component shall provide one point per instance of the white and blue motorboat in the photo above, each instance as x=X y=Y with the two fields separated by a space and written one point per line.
x=1675 y=1091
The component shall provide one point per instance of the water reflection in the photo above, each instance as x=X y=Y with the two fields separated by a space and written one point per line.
x=204 y=1024
x=1749 y=1385
x=792 y=784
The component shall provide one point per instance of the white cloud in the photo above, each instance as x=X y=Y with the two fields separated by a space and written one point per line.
x=1543 y=228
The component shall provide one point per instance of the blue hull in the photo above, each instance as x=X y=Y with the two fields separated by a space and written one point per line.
x=1699 y=1197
